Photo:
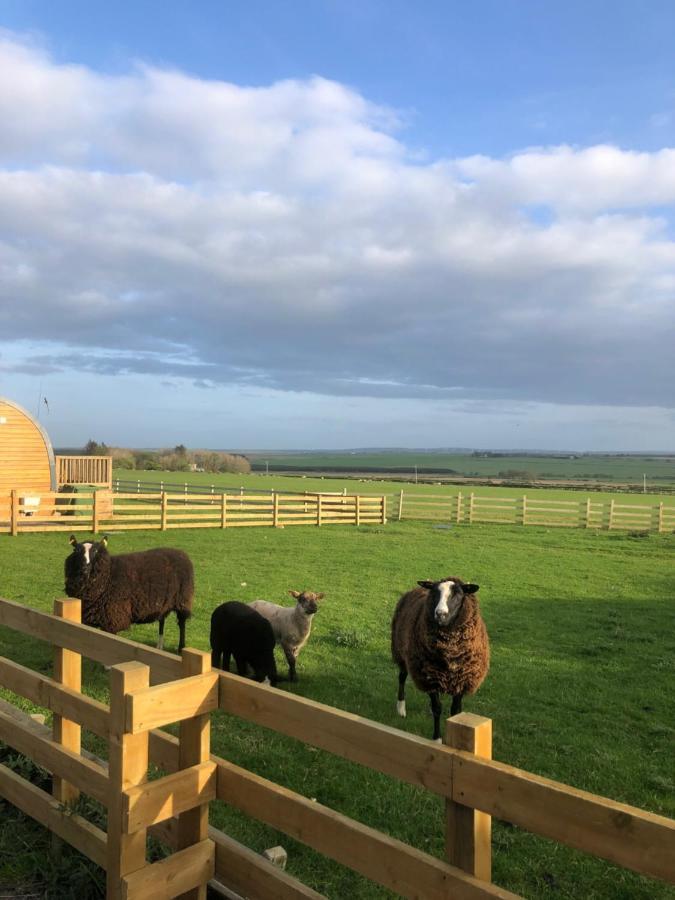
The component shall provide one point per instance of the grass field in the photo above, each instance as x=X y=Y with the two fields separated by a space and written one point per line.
x=580 y=689
x=609 y=467
x=276 y=481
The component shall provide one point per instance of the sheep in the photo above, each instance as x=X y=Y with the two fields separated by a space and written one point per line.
x=439 y=637
x=239 y=631
x=291 y=626
x=130 y=588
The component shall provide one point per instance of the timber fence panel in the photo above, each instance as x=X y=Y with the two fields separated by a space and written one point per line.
x=44 y=809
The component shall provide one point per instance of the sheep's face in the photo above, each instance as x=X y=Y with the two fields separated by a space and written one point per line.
x=446 y=598
x=84 y=554
x=307 y=600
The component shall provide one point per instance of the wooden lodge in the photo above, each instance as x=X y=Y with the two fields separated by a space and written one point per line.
x=29 y=469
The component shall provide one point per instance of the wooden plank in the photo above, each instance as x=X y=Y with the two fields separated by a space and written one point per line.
x=87 y=776
x=128 y=767
x=413 y=759
x=38 y=804
x=383 y=859
x=194 y=748
x=155 y=801
x=173 y=876
x=163 y=704
x=242 y=870
x=67 y=672
x=468 y=833
x=622 y=834
x=46 y=692
x=254 y=877
x=90 y=642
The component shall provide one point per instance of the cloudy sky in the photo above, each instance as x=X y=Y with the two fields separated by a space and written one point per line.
x=338 y=224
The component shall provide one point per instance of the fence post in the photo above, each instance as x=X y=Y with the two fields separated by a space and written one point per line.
x=318 y=509
x=275 y=509
x=588 y=512
x=459 y=507
x=400 y=505
x=468 y=833
x=471 y=508
x=127 y=767
x=14 y=527
x=223 y=510
x=194 y=748
x=523 y=516
x=358 y=509
x=383 y=520
x=165 y=509
x=94 y=513
x=68 y=672
x=611 y=515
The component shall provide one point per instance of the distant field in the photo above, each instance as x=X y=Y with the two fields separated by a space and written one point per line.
x=595 y=467
x=580 y=689
x=371 y=485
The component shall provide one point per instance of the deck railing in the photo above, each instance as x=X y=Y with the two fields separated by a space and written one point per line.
x=96 y=470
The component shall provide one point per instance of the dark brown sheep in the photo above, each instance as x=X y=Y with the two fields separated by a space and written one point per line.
x=130 y=588
x=438 y=637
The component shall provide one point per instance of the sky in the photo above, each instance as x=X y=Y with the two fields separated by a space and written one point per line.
x=318 y=224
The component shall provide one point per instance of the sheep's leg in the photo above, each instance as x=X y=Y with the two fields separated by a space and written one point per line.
x=242 y=665
x=215 y=659
x=290 y=659
x=436 y=710
x=182 y=618
x=160 y=639
x=400 y=706
x=456 y=704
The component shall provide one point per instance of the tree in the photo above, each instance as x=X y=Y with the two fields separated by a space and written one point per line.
x=93 y=448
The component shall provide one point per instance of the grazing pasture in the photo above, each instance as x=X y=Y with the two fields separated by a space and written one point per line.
x=582 y=630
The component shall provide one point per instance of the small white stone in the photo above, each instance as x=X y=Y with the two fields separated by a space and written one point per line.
x=277 y=856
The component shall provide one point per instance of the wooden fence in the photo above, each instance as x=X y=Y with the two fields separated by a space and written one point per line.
x=84 y=470
x=175 y=807
x=106 y=511
x=586 y=513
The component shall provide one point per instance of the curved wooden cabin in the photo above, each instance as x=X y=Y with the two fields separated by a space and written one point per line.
x=26 y=455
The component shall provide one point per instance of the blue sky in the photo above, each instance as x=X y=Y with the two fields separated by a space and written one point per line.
x=341 y=224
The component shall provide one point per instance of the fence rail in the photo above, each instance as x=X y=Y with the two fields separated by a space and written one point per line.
x=527 y=510
x=175 y=807
x=104 y=510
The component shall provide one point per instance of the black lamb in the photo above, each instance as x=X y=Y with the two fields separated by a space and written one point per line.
x=238 y=630
x=130 y=588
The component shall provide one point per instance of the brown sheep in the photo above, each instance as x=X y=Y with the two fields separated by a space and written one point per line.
x=118 y=591
x=439 y=637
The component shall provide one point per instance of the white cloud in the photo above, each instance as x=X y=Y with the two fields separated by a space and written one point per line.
x=285 y=237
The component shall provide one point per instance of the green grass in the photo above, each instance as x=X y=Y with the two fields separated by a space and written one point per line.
x=609 y=467
x=276 y=481
x=582 y=627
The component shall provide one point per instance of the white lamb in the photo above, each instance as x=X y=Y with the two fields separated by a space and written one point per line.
x=291 y=626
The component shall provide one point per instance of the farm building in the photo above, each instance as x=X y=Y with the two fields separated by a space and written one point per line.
x=26 y=456
x=29 y=469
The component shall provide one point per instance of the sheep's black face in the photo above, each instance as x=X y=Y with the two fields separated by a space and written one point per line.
x=446 y=598
x=84 y=554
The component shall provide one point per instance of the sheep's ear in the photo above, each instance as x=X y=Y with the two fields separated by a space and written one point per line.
x=104 y=540
x=295 y=594
x=470 y=588
x=320 y=596
x=427 y=584
x=73 y=540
